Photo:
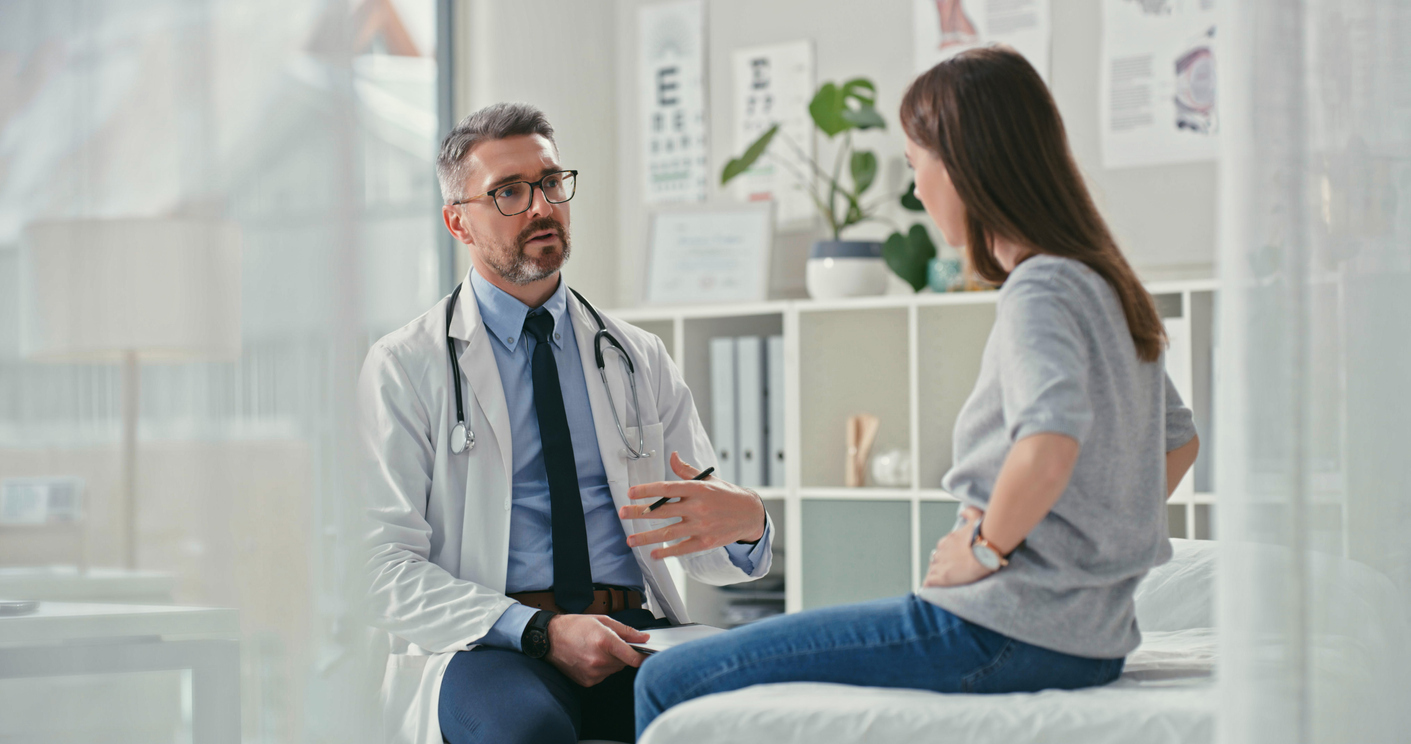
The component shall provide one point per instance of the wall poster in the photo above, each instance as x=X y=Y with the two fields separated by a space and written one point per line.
x=943 y=27
x=1157 y=82
x=773 y=85
x=672 y=89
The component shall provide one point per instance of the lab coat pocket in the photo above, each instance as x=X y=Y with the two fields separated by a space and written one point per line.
x=646 y=469
x=403 y=697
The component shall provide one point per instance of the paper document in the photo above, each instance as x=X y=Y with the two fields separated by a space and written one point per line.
x=664 y=638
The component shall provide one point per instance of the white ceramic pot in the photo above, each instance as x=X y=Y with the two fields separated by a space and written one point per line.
x=845 y=268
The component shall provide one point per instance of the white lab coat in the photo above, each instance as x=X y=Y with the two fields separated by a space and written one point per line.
x=439 y=523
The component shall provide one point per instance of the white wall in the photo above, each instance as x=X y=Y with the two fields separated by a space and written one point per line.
x=586 y=80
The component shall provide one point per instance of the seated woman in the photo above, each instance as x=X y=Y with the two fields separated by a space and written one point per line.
x=1065 y=453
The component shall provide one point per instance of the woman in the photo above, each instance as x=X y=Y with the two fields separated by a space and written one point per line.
x=1065 y=453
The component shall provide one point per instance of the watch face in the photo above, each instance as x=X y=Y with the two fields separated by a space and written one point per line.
x=536 y=643
x=986 y=556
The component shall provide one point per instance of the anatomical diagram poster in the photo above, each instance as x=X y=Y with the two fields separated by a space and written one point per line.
x=1157 y=82
x=941 y=28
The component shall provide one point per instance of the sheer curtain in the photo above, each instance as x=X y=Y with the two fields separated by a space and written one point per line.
x=1314 y=471
x=310 y=127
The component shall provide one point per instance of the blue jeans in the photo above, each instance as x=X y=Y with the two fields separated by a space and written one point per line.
x=898 y=642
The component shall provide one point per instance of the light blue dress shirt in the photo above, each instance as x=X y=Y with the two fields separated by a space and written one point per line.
x=531 y=550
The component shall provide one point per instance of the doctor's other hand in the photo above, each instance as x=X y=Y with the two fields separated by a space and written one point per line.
x=952 y=563
x=713 y=512
x=590 y=648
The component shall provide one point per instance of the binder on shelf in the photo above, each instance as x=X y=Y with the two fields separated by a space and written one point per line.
x=750 y=411
x=774 y=399
x=722 y=408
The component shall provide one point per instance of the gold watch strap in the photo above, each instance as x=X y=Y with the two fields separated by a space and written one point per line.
x=979 y=539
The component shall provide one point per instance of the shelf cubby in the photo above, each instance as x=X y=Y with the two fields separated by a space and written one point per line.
x=950 y=340
x=850 y=362
x=855 y=551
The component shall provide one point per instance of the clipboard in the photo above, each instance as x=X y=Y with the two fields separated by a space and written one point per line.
x=664 y=638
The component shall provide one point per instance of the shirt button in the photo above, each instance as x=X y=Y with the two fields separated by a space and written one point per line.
x=509 y=339
x=556 y=337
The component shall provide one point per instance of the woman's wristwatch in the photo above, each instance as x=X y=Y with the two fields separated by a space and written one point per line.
x=985 y=552
x=534 y=642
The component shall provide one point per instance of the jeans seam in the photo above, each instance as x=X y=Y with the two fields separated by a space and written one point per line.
x=737 y=667
x=968 y=682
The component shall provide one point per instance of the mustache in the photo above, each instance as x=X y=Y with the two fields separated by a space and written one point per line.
x=538 y=226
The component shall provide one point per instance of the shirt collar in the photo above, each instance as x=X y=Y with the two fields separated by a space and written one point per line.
x=504 y=314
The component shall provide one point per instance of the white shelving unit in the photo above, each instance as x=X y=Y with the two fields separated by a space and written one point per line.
x=911 y=360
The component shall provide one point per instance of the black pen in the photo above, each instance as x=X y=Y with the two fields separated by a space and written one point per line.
x=704 y=474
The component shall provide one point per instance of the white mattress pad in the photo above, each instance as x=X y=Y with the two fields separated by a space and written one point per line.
x=1165 y=696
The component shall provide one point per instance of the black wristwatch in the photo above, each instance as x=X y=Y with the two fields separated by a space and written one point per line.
x=534 y=642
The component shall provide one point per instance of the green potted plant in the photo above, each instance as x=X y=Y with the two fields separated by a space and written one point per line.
x=838 y=267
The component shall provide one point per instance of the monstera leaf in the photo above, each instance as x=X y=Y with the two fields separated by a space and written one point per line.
x=907 y=255
x=864 y=115
x=836 y=109
x=752 y=153
x=909 y=200
x=864 y=169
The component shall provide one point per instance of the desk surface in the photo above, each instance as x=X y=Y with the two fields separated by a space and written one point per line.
x=68 y=584
x=66 y=621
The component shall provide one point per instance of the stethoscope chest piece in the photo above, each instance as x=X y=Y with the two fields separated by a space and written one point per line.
x=462 y=439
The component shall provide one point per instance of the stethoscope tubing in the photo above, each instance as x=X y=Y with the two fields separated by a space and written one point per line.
x=463 y=438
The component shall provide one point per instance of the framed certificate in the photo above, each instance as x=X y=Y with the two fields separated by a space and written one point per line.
x=709 y=254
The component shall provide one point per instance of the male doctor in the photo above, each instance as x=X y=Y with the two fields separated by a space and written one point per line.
x=512 y=559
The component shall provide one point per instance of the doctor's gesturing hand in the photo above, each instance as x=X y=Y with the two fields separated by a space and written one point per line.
x=713 y=513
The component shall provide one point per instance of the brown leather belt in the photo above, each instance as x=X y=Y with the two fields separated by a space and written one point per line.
x=605 y=601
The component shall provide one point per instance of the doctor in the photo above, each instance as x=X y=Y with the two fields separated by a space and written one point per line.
x=508 y=561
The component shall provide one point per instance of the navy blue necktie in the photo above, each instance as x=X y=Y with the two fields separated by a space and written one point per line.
x=573 y=572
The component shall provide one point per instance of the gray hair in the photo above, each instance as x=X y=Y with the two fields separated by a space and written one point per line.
x=494 y=122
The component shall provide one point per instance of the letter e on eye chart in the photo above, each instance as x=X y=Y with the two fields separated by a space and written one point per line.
x=671 y=87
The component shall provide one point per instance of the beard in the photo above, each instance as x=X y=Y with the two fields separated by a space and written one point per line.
x=516 y=266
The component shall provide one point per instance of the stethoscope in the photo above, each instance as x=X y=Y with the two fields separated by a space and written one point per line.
x=463 y=439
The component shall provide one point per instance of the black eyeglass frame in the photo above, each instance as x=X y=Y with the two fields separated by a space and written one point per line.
x=531 y=185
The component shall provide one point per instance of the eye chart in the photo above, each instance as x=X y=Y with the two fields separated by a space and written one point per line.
x=672 y=89
x=773 y=85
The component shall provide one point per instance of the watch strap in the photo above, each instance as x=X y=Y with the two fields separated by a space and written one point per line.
x=539 y=624
x=979 y=539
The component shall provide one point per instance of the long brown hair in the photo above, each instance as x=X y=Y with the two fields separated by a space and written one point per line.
x=989 y=117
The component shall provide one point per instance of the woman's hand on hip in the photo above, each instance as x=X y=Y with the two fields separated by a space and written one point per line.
x=952 y=562
x=713 y=512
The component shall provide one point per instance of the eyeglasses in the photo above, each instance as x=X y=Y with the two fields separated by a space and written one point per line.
x=514 y=198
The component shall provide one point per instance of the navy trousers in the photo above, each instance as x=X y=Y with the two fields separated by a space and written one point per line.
x=502 y=696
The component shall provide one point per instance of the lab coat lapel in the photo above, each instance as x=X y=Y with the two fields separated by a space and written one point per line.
x=477 y=362
x=609 y=443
